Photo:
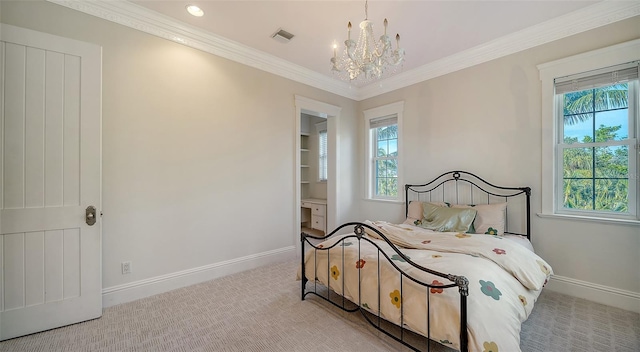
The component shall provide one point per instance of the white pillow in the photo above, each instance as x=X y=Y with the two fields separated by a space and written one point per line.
x=490 y=218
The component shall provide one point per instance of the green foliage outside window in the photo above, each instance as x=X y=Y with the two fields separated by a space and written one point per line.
x=386 y=161
x=596 y=177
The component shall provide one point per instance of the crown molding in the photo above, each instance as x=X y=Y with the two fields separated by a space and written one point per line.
x=139 y=18
x=590 y=17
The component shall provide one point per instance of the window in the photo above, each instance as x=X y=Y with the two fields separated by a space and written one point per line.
x=383 y=138
x=322 y=155
x=597 y=137
x=594 y=150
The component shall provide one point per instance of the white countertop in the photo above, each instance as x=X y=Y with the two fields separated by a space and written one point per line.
x=314 y=200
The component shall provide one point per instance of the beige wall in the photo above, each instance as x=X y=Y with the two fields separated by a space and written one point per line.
x=487 y=120
x=198 y=151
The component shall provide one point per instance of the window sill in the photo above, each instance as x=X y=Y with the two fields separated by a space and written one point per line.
x=388 y=201
x=588 y=218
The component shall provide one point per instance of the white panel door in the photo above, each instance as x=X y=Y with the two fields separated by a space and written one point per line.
x=50 y=157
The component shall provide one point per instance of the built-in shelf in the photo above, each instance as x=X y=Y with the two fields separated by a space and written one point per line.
x=304 y=165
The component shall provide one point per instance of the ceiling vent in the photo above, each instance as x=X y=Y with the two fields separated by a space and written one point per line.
x=282 y=36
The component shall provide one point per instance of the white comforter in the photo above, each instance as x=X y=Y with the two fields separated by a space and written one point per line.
x=505 y=279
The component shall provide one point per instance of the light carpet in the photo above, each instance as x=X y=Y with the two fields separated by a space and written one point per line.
x=261 y=310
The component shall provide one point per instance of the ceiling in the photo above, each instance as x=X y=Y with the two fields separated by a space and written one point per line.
x=429 y=30
x=439 y=36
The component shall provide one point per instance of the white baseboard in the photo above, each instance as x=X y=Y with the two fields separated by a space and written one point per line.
x=627 y=300
x=159 y=284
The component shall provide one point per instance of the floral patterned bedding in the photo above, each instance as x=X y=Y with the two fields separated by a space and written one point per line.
x=505 y=279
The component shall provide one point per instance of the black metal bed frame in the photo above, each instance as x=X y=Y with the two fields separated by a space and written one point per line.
x=449 y=186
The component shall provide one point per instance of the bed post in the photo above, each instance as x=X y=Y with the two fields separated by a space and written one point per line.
x=527 y=191
x=303 y=278
x=406 y=200
x=463 y=287
x=464 y=335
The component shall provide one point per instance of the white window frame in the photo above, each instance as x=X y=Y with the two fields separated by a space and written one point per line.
x=396 y=109
x=631 y=142
x=322 y=154
x=551 y=130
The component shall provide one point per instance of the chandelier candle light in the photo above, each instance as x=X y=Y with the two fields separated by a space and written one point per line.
x=366 y=59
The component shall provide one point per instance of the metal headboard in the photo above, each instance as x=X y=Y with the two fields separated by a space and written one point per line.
x=461 y=187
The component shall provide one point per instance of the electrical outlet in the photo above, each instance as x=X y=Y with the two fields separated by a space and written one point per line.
x=126 y=267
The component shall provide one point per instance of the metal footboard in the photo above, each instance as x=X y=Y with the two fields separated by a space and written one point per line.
x=398 y=332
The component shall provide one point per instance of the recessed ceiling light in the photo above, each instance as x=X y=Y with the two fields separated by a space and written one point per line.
x=195 y=10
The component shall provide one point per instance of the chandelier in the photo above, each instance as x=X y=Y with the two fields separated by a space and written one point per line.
x=367 y=59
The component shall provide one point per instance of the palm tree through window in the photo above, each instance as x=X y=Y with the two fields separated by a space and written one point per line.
x=597 y=135
x=386 y=161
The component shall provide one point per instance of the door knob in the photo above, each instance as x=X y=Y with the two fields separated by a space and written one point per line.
x=90 y=215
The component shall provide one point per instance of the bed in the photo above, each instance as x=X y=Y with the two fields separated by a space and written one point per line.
x=436 y=279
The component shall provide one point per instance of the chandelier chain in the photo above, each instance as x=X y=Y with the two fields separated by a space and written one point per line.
x=366 y=10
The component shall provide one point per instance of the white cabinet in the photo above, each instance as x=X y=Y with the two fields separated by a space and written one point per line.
x=317 y=209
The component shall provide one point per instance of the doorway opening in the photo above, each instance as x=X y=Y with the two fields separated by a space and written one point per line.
x=313 y=174
x=315 y=202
